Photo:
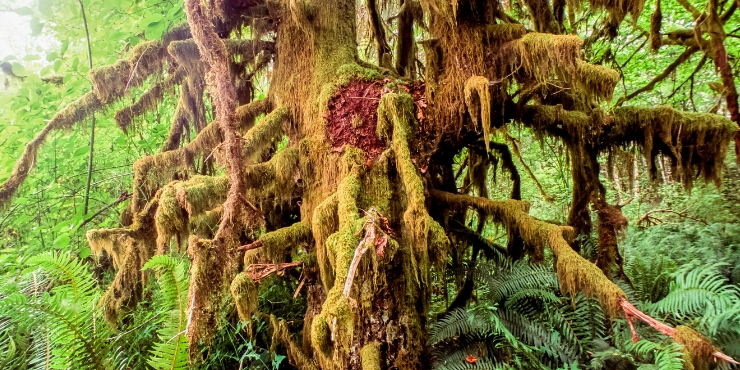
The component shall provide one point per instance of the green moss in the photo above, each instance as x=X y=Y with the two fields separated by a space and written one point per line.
x=697 y=348
x=370 y=356
x=245 y=294
x=277 y=244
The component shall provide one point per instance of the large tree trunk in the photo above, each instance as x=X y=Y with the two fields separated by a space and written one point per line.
x=382 y=318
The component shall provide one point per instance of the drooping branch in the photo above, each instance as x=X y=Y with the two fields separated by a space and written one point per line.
x=75 y=112
x=575 y=273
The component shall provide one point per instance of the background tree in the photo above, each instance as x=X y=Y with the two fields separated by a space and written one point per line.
x=364 y=175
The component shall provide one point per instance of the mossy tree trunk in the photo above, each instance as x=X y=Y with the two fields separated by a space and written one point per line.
x=370 y=157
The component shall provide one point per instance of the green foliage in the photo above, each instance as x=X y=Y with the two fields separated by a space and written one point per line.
x=72 y=333
x=173 y=278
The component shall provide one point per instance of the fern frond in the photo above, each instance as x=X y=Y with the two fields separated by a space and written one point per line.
x=700 y=290
x=521 y=275
x=664 y=356
x=75 y=338
x=71 y=276
x=173 y=279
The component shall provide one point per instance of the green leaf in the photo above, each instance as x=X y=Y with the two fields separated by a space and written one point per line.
x=52 y=56
x=36 y=26
x=65 y=45
x=154 y=30
x=82 y=151
x=62 y=241
x=18 y=70
x=85 y=252
x=23 y=11
x=45 y=8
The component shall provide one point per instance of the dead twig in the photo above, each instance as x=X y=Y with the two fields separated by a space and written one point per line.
x=649 y=220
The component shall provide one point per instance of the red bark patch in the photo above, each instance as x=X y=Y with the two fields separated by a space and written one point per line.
x=353 y=117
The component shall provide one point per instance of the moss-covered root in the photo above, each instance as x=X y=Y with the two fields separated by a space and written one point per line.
x=275 y=245
x=395 y=120
x=331 y=330
x=75 y=112
x=370 y=356
x=478 y=101
x=324 y=223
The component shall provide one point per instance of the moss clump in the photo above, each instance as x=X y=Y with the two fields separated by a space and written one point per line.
x=696 y=347
x=370 y=356
x=245 y=294
x=275 y=245
x=595 y=80
x=478 y=101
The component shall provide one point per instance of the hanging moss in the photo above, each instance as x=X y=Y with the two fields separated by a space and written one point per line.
x=129 y=249
x=542 y=55
x=245 y=294
x=478 y=101
x=595 y=80
x=145 y=59
x=505 y=32
x=152 y=172
x=148 y=101
x=696 y=143
x=75 y=112
x=575 y=273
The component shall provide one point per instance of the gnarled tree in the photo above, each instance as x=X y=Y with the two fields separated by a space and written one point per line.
x=370 y=148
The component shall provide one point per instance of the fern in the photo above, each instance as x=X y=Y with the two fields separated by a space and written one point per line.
x=650 y=277
x=62 y=325
x=664 y=356
x=520 y=276
x=699 y=291
x=173 y=279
